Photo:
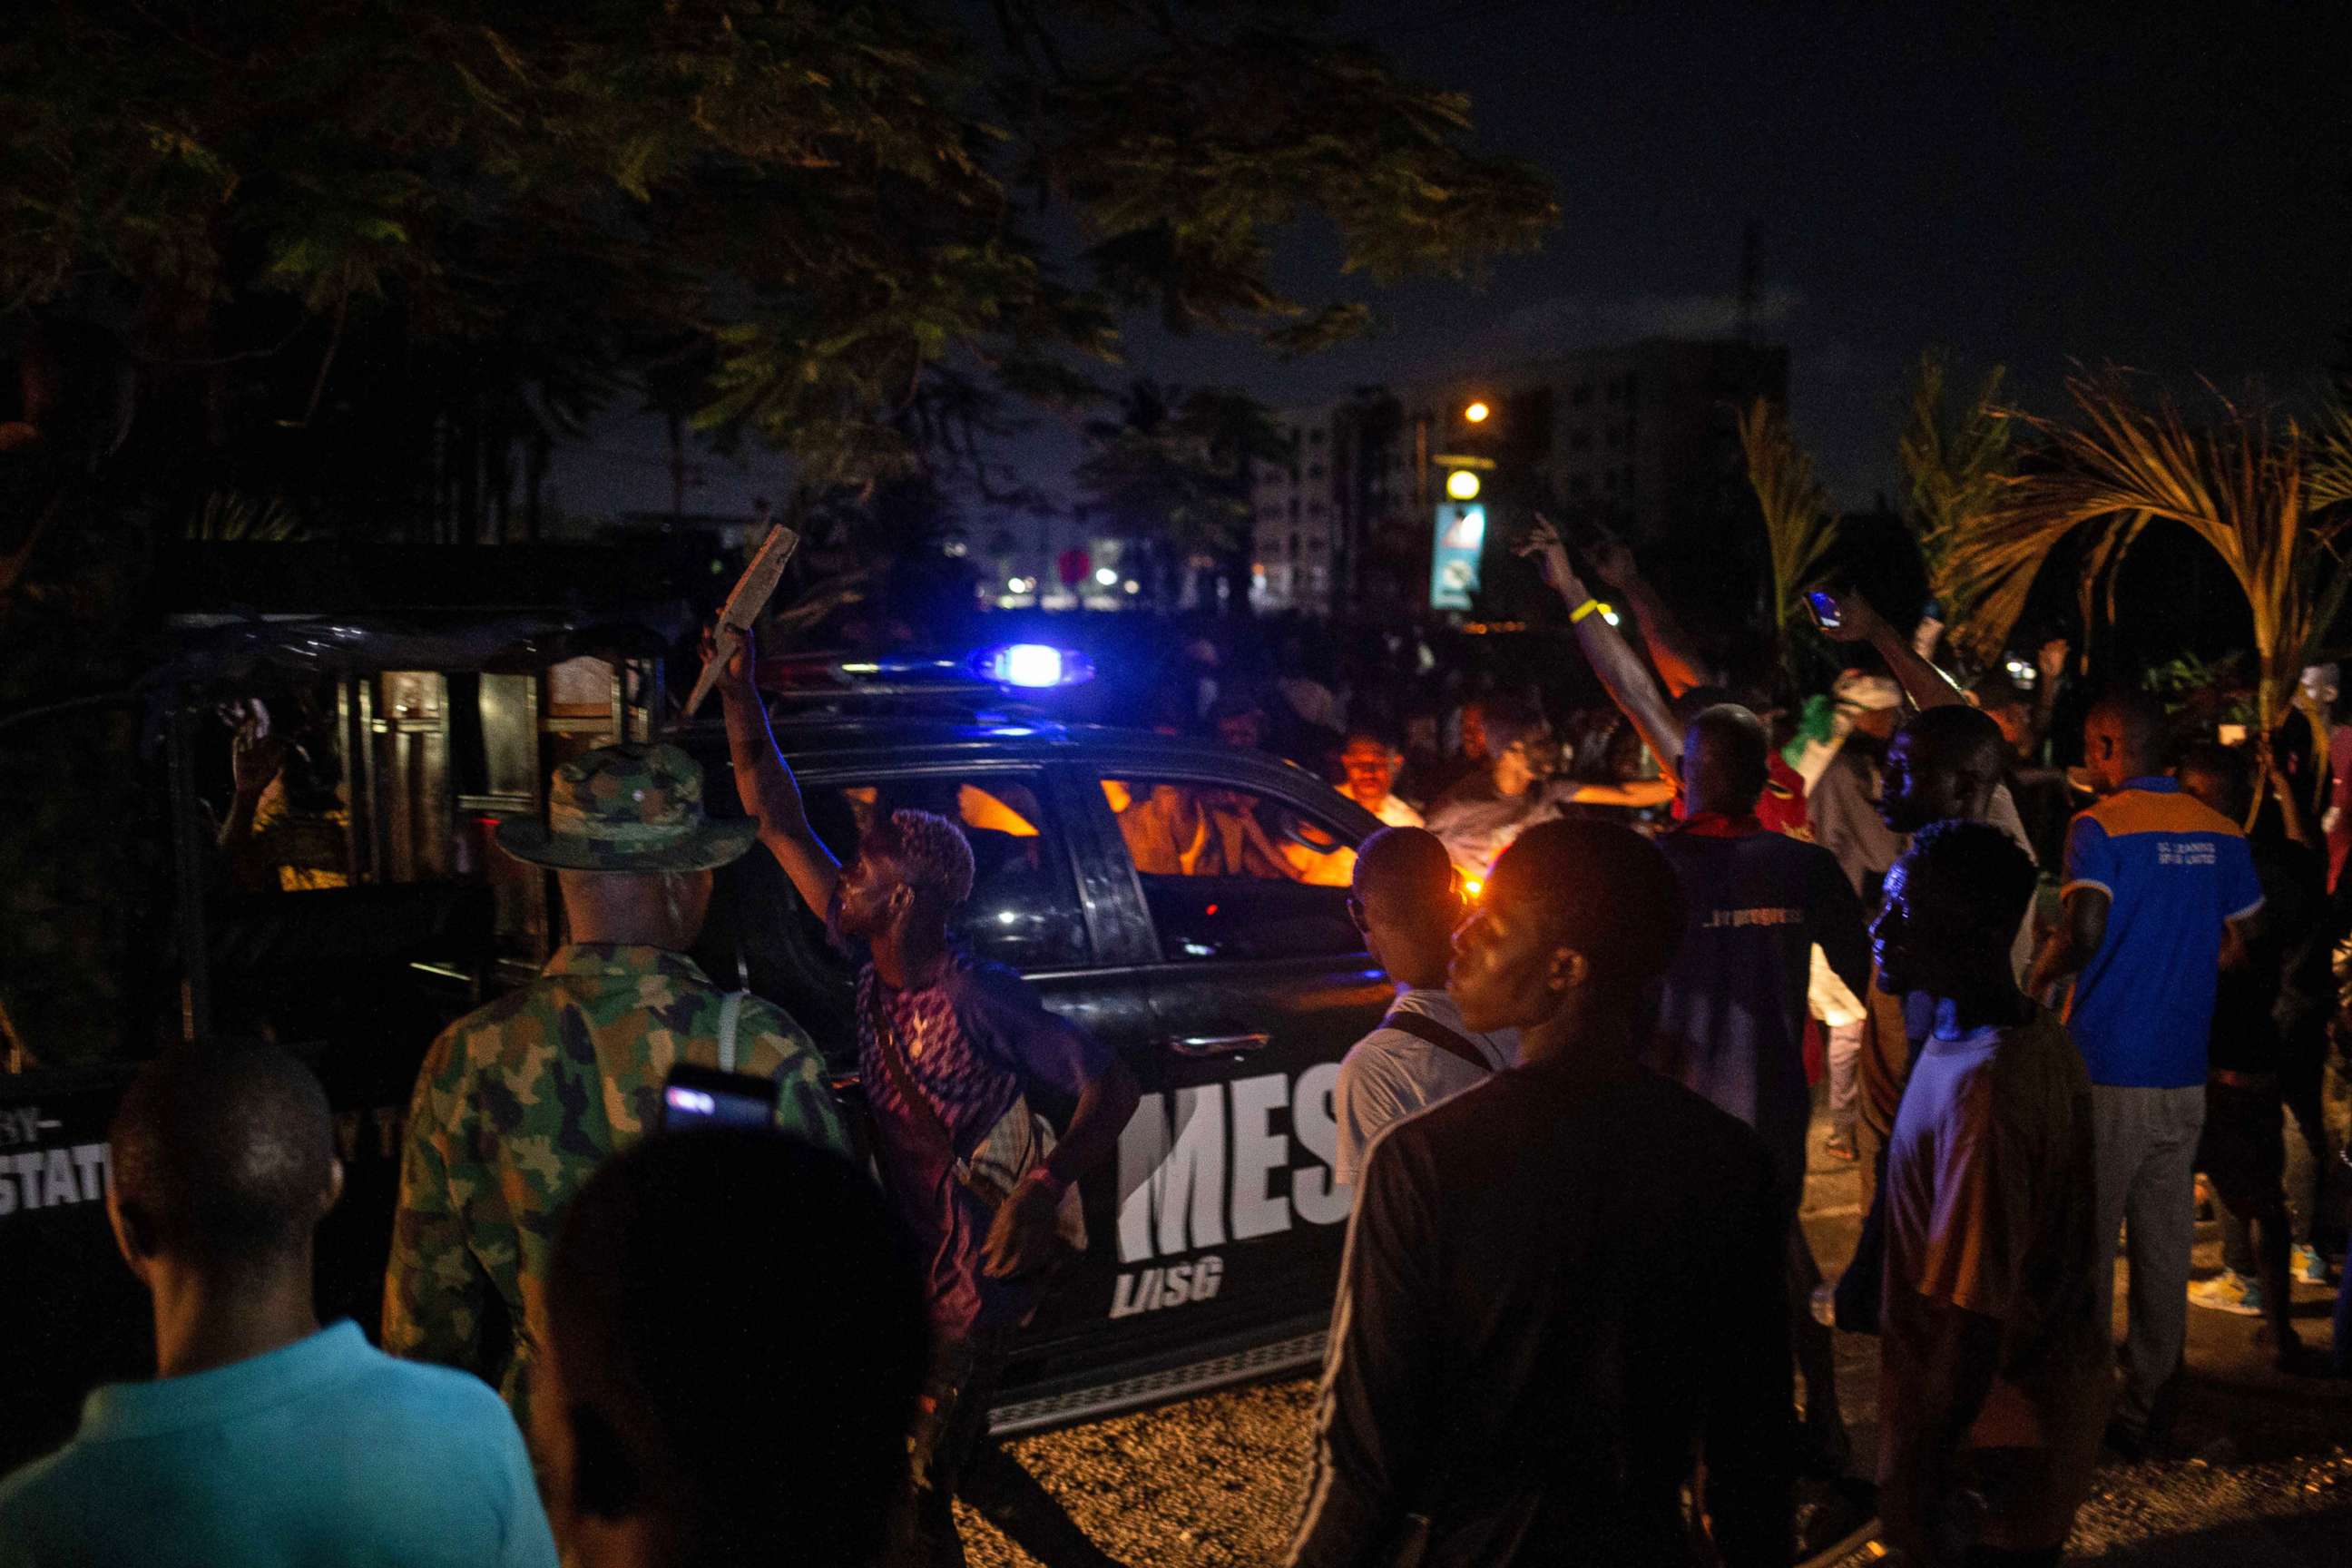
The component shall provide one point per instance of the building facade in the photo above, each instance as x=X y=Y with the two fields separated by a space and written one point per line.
x=1641 y=438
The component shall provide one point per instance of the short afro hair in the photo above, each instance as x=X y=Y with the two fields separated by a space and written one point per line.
x=1734 y=752
x=225 y=1154
x=1987 y=878
x=1600 y=888
x=738 y=1325
x=1405 y=868
x=928 y=850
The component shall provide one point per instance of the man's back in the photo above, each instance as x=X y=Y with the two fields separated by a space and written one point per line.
x=323 y=1452
x=1485 y=1371
x=2174 y=870
x=1732 y=1004
x=517 y=1104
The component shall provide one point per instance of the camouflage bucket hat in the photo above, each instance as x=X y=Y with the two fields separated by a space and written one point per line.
x=628 y=808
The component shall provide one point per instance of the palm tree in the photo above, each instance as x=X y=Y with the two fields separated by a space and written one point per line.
x=1798 y=528
x=2251 y=484
x=1952 y=471
x=1176 y=467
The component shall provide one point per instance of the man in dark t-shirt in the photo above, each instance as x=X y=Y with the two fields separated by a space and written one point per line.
x=1731 y=1014
x=1731 y=1008
x=2241 y=1149
x=1481 y=1401
x=1995 y=1371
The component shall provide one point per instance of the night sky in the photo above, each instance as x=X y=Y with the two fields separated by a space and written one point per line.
x=2172 y=193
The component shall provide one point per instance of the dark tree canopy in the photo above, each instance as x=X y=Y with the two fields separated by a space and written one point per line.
x=514 y=208
x=277 y=269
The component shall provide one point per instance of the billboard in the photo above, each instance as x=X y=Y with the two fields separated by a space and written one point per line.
x=1458 y=540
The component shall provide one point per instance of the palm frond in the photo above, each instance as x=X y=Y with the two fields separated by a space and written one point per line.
x=1798 y=529
x=2238 y=482
x=2330 y=477
x=1953 y=465
x=233 y=517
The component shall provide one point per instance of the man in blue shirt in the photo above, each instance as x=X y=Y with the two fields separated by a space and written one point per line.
x=2161 y=895
x=264 y=1439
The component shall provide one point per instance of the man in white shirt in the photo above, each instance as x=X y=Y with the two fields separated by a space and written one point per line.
x=1368 y=768
x=1406 y=903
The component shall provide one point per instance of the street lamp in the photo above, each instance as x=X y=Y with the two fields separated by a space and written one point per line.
x=1476 y=413
x=1462 y=485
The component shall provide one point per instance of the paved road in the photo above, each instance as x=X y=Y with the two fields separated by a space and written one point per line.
x=1215 y=1480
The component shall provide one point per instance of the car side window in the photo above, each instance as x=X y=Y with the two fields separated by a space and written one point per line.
x=1233 y=873
x=1023 y=909
x=1023 y=912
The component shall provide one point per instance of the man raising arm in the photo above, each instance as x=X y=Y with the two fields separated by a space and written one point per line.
x=952 y=1053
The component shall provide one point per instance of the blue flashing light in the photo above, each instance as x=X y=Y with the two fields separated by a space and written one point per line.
x=1032 y=665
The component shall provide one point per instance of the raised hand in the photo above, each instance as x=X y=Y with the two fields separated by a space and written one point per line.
x=255 y=758
x=1544 y=547
x=1856 y=621
x=740 y=664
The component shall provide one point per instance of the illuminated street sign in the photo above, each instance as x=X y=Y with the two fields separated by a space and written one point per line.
x=1459 y=539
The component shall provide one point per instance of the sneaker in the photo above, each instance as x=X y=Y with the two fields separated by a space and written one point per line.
x=2308 y=1266
x=2228 y=1291
x=1840 y=1146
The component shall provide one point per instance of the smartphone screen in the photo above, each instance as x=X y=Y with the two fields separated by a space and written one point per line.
x=1824 y=608
x=706 y=1097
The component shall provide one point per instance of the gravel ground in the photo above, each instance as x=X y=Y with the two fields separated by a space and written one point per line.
x=1216 y=1480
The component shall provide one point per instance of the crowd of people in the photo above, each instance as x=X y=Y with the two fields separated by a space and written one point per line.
x=1576 y=1307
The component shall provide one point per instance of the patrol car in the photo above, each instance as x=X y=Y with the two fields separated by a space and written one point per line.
x=1182 y=901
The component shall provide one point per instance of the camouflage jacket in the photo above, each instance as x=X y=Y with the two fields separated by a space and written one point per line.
x=517 y=1104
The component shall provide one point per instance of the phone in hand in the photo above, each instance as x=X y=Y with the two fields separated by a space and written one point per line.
x=706 y=1097
x=1824 y=606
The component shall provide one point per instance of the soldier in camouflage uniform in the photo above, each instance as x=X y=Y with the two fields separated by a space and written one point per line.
x=520 y=1100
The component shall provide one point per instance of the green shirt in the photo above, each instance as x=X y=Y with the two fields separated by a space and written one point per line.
x=518 y=1104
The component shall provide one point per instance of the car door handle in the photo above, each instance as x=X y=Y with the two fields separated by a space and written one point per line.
x=1216 y=1045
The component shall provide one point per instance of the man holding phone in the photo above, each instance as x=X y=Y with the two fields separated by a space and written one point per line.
x=520 y=1101
x=951 y=1054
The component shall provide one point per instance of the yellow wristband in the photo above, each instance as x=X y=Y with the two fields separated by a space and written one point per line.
x=1584 y=609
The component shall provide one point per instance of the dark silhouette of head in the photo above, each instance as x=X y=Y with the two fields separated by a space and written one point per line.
x=1521 y=749
x=223 y=1162
x=737 y=1336
x=1727 y=760
x=2123 y=738
x=1944 y=763
x=1406 y=900
x=2221 y=776
x=2006 y=703
x=1581 y=915
x=1239 y=720
x=1951 y=909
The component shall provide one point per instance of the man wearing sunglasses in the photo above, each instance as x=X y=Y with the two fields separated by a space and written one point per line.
x=1406 y=902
